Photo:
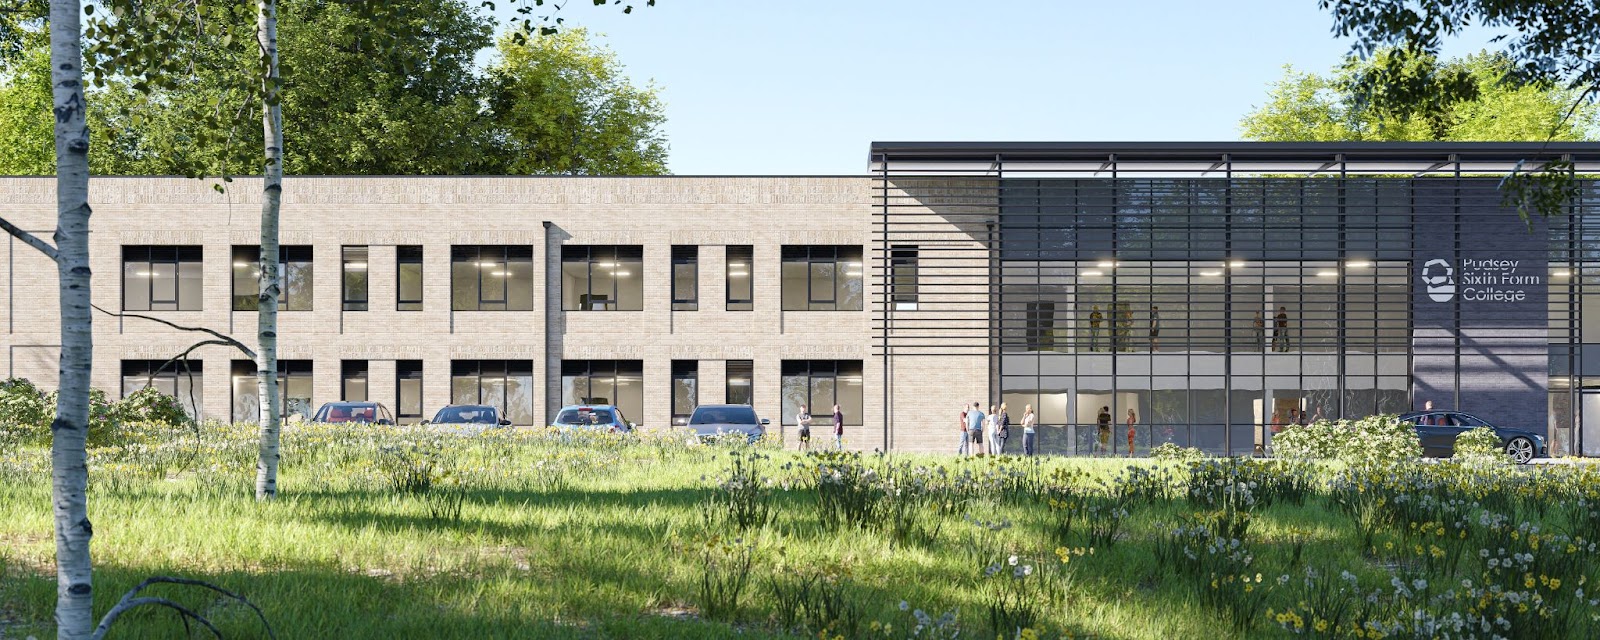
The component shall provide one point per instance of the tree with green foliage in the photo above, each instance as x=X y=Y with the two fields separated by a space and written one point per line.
x=1480 y=97
x=560 y=104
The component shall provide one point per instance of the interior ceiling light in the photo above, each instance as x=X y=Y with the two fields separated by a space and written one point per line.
x=1106 y=264
x=1210 y=274
x=1327 y=274
x=1092 y=273
x=1358 y=264
x=1237 y=264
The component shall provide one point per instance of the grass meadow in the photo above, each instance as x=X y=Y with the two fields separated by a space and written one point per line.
x=399 y=532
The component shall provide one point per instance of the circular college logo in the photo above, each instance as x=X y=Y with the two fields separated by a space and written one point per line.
x=1440 y=279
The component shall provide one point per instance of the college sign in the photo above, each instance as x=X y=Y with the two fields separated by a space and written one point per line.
x=1479 y=317
x=1480 y=280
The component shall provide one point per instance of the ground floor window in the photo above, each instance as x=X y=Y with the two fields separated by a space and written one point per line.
x=614 y=382
x=820 y=384
x=294 y=390
x=739 y=389
x=180 y=379
x=685 y=389
x=506 y=385
x=353 y=380
x=408 y=391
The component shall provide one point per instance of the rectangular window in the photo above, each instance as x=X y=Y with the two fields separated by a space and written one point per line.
x=740 y=268
x=685 y=278
x=506 y=385
x=685 y=389
x=355 y=278
x=903 y=278
x=294 y=389
x=180 y=379
x=820 y=384
x=491 y=278
x=158 y=278
x=408 y=269
x=353 y=380
x=294 y=269
x=822 y=278
x=408 y=391
x=739 y=387
x=615 y=382
x=602 y=278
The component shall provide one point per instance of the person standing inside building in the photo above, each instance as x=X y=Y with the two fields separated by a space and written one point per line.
x=804 y=420
x=975 y=428
x=1133 y=419
x=1095 y=319
x=1002 y=429
x=1280 y=330
x=1103 y=433
x=1028 y=436
x=962 y=427
x=1155 y=328
x=1261 y=330
x=838 y=429
x=1125 y=327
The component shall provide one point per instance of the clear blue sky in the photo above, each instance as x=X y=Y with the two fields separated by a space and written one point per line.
x=792 y=87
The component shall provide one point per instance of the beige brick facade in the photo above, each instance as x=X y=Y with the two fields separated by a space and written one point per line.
x=546 y=213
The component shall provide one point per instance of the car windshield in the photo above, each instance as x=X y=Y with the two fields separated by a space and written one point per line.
x=350 y=413
x=466 y=415
x=724 y=415
x=585 y=416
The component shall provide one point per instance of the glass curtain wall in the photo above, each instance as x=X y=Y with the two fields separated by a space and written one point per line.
x=1210 y=312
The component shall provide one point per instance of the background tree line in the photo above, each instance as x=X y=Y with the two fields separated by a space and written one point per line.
x=407 y=100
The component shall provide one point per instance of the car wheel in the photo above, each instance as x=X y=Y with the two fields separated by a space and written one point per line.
x=1520 y=450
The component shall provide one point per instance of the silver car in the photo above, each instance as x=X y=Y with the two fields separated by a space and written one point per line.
x=713 y=421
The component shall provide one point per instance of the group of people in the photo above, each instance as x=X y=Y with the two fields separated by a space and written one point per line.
x=987 y=433
x=803 y=418
x=1103 y=430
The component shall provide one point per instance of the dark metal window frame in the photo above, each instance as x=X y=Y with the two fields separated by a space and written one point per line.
x=250 y=254
x=296 y=368
x=745 y=368
x=684 y=370
x=351 y=370
x=689 y=256
x=404 y=255
x=408 y=370
x=147 y=255
x=592 y=256
x=347 y=265
x=746 y=253
x=482 y=369
x=503 y=256
x=830 y=369
x=903 y=263
x=840 y=256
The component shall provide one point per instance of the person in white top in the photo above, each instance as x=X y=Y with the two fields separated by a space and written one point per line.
x=991 y=424
x=804 y=420
x=1027 y=430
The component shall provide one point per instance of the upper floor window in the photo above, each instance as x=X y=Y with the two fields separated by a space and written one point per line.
x=355 y=278
x=294 y=270
x=602 y=278
x=161 y=278
x=741 y=266
x=685 y=278
x=408 y=267
x=903 y=278
x=822 y=278
x=491 y=278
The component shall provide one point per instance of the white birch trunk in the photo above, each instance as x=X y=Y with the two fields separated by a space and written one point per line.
x=68 y=461
x=272 y=192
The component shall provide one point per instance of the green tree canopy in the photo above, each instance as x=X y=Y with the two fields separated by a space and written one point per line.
x=414 y=103
x=1482 y=97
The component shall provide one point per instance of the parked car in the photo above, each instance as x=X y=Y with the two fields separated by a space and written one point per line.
x=468 y=418
x=592 y=417
x=361 y=412
x=1438 y=430
x=712 y=421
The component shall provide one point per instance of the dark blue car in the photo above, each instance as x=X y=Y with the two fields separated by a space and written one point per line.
x=1438 y=431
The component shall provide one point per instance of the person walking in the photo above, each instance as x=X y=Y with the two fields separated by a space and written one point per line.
x=804 y=420
x=1132 y=420
x=1103 y=433
x=1095 y=320
x=975 y=428
x=1003 y=431
x=1280 y=330
x=1028 y=436
x=838 y=429
x=966 y=442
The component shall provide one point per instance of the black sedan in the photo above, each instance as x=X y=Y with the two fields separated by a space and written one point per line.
x=1438 y=431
